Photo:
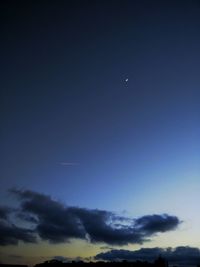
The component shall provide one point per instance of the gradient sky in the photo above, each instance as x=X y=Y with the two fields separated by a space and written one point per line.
x=74 y=129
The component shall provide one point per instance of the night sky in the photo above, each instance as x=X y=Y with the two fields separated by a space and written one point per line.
x=100 y=129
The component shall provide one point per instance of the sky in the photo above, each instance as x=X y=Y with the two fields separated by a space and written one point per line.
x=100 y=126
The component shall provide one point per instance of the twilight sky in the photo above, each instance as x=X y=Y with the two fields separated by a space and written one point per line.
x=92 y=163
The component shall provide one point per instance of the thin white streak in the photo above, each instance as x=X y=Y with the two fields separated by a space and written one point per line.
x=66 y=163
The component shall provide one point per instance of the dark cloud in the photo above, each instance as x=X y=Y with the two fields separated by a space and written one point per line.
x=180 y=255
x=61 y=258
x=4 y=212
x=11 y=234
x=26 y=217
x=67 y=259
x=122 y=254
x=151 y=224
x=184 y=255
x=55 y=222
x=100 y=226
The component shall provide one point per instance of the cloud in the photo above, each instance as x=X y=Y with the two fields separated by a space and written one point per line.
x=62 y=258
x=100 y=226
x=67 y=259
x=57 y=223
x=26 y=217
x=4 y=212
x=179 y=255
x=151 y=224
x=11 y=234
x=122 y=254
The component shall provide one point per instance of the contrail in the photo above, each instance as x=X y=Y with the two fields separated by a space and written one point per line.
x=66 y=163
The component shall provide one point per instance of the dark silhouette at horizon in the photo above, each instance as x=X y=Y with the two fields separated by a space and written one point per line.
x=158 y=262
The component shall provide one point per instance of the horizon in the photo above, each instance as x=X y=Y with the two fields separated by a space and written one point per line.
x=157 y=261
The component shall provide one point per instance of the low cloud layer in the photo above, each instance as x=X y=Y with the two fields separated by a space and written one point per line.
x=180 y=255
x=51 y=220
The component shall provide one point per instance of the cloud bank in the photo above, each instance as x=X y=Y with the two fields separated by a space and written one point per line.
x=179 y=255
x=54 y=222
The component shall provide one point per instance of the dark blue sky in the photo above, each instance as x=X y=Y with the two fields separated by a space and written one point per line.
x=64 y=99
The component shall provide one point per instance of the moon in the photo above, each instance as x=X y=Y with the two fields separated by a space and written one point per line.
x=126 y=80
